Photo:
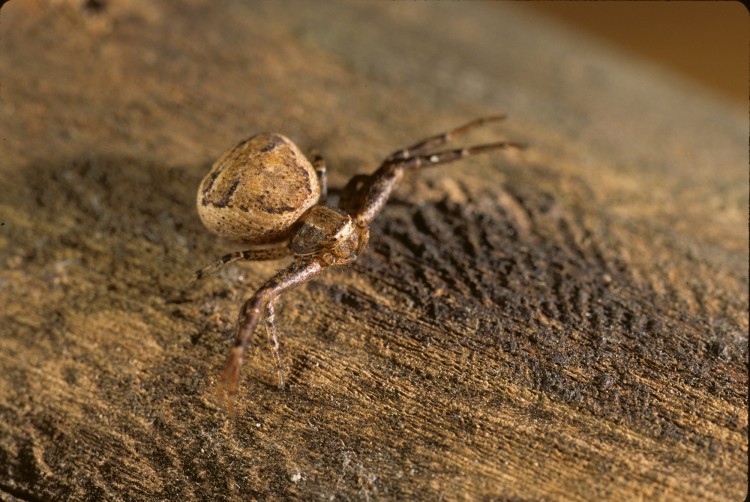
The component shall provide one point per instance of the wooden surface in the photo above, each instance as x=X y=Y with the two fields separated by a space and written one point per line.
x=565 y=323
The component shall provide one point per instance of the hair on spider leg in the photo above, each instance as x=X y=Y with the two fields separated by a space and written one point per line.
x=264 y=191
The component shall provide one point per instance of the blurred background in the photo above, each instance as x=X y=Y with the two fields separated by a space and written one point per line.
x=705 y=41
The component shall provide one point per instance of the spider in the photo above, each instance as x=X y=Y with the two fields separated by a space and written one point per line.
x=264 y=191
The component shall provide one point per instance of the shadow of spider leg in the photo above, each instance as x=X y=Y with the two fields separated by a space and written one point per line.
x=270 y=317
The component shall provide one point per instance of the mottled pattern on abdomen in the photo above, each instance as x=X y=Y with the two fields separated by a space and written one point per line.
x=257 y=190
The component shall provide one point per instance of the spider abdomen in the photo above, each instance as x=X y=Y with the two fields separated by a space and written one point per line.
x=257 y=190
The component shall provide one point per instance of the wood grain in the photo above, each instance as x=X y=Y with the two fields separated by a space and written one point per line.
x=564 y=323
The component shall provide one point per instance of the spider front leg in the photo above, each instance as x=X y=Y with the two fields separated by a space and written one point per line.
x=298 y=273
x=374 y=195
x=365 y=198
x=442 y=138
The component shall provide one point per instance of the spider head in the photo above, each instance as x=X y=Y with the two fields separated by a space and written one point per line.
x=329 y=233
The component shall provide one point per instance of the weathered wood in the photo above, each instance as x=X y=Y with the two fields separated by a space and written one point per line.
x=569 y=322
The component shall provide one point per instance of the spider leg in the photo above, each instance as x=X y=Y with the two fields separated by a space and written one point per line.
x=297 y=273
x=319 y=164
x=352 y=192
x=382 y=182
x=270 y=317
x=441 y=139
x=247 y=255
x=446 y=156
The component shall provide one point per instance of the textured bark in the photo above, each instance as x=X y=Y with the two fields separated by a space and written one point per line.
x=569 y=322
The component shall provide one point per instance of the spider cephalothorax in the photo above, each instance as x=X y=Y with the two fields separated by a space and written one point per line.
x=329 y=233
x=265 y=192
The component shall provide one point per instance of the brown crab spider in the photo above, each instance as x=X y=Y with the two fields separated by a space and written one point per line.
x=264 y=191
